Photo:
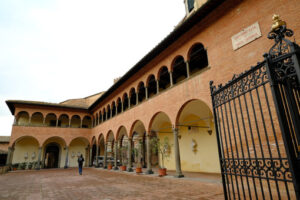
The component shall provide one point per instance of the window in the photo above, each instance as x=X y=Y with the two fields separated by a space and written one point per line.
x=190 y=4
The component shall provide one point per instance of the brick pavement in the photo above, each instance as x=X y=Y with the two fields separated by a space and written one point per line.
x=62 y=184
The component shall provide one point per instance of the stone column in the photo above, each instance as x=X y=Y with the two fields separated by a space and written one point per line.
x=116 y=155
x=11 y=155
x=187 y=69
x=110 y=113
x=106 y=114
x=129 y=167
x=67 y=157
x=149 y=167
x=8 y=161
x=15 y=121
x=90 y=156
x=116 y=110
x=57 y=122
x=69 y=122
x=122 y=107
x=81 y=122
x=128 y=103
x=86 y=164
x=29 y=122
x=39 y=159
x=105 y=156
x=146 y=92
x=137 y=98
x=177 y=154
x=97 y=154
x=44 y=121
x=157 y=86
x=171 y=79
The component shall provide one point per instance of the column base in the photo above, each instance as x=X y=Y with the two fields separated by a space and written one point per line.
x=149 y=171
x=38 y=168
x=130 y=169
x=65 y=167
x=115 y=168
x=179 y=176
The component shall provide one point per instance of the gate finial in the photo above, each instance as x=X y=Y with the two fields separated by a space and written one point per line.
x=277 y=22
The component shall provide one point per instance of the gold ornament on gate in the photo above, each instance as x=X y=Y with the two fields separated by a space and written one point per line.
x=277 y=22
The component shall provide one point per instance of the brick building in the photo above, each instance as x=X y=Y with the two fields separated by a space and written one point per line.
x=165 y=95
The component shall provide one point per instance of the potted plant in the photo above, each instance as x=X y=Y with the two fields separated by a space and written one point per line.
x=30 y=164
x=23 y=165
x=162 y=148
x=15 y=166
x=137 y=153
x=123 y=151
x=109 y=165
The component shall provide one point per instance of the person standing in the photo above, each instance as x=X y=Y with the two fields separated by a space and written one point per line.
x=80 y=163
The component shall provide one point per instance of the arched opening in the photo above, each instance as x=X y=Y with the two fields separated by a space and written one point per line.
x=96 y=120
x=108 y=112
x=198 y=145
x=94 y=151
x=25 y=150
x=100 y=117
x=152 y=86
x=104 y=115
x=63 y=121
x=119 y=105
x=197 y=58
x=125 y=102
x=164 y=78
x=138 y=146
x=179 y=72
x=123 y=146
x=52 y=155
x=101 y=145
x=75 y=121
x=77 y=147
x=161 y=130
x=132 y=97
x=110 y=147
x=22 y=118
x=37 y=119
x=113 y=109
x=141 y=92
x=87 y=122
x=50 y=120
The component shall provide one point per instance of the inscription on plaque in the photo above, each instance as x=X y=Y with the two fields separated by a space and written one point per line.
x=246 y=36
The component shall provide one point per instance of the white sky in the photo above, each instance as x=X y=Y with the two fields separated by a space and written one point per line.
x=53 y=50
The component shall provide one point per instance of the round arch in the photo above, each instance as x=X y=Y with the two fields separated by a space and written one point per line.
x=160 y=127
x=37 y=119
x=22 y=118
x=78 y=146
x=50 y=120
x=54 y=152
x=198 y=140
x=75 y=121
x=63 y=120
x=26 y=149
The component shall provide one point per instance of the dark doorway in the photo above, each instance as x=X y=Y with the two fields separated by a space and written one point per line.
x=94 y=149
x=51 y=156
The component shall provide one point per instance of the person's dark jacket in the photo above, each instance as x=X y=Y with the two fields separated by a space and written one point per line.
x=80 y=161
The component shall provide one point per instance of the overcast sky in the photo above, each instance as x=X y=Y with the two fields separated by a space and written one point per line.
x=53 y=50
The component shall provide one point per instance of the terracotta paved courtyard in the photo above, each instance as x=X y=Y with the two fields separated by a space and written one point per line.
x=104 y=185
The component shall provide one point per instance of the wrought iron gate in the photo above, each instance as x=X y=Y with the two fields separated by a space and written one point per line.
x=258 y=125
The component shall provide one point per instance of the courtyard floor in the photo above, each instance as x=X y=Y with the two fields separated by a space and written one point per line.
x=105 y=185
